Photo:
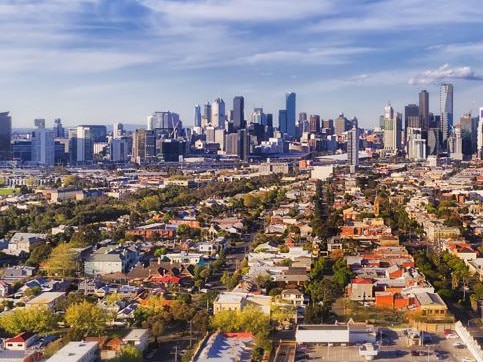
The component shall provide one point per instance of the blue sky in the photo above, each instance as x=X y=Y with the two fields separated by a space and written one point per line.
x=104 y=61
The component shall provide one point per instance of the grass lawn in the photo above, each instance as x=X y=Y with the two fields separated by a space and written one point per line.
x=4 y=192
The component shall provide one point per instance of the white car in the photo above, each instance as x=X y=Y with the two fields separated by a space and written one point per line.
x=468 y=359
x=459 y=345
x=452 y=336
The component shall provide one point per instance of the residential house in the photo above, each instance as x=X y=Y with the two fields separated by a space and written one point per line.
x=185 y=257
x=233 y=301
x=461 y=250
x=59 y=195
x=89 y=286
x=21 y=341
x=109 y=347
x=18 y=273
x=294 y=296
x=155 y=231
x=46 y=299
x=22 y=243
x=226 y=347
x=107 y=260
x=77 y=352
x=431 y=305
x=475 y=266
x=137 y=338
x=361 y=290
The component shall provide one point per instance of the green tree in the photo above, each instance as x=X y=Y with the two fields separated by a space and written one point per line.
x=251 y=319
x=86 y=319
x=39 y=254
x=160 y=251
x=318 y=267
x=130 y=353
x=35 y=319
x=342 y=272
x=62 y=261
x=250 y=201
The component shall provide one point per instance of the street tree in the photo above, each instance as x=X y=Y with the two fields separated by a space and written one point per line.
x=86 y=319
x=34 y=319
x=62 y=261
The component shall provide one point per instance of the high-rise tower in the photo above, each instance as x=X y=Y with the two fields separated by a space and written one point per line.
x=290 y=108
x=446 y=109
x=43 y=145
x=197 y=120
x=218 y=113
x=238 y=112
x=353 y=146
x=5 y=136
x=392 y=129
x=479 y=136
x=424 y=110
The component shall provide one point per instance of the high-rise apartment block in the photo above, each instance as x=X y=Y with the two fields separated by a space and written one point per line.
x=424 y=110
x=238 y=112
x=392 y=130
x=43 y=145
x=290 y=105
x=5 y=135
x=218 y=114
x=353 y=147
x=415 y=144
x=446 y=112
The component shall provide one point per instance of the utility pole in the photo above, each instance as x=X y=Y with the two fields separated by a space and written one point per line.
x=191 y=332
x=176 y=353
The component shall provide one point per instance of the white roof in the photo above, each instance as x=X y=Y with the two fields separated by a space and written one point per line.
x=73 y=352
x=135 y=334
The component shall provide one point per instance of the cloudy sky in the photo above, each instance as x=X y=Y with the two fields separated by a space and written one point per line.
x=104 y=61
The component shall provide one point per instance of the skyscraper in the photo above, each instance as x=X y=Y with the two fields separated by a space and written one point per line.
x=291 y=111
x=238 y=112
x=197 y=120
x=84 y=145
x=314 y=123
x=165 y=120
x=5 y=136
x=206 y=117
x=218 y=113
x=446 y=111
x=415 y=145
x=341 y=124
x=353 y=146
x=282 y=121
x=468 y=134
x=58 y=129
x=144 y=146
x=424 y=110
x=43 y=145
x=480 y=135
x=392 y=129
x=411 y=116
x=117 y=130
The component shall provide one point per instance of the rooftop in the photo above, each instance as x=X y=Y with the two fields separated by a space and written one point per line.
x=73 y=352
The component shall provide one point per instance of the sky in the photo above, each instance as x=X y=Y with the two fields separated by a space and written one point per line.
x=106 y=61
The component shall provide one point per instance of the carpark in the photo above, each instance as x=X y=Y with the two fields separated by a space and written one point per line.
x=393 y=345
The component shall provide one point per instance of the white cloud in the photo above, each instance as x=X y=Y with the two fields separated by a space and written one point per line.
x=390 y=15
x=444 y=73
x=237 y=10
x=332 y=55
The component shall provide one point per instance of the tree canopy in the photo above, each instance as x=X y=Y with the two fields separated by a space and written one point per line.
x=86 y=319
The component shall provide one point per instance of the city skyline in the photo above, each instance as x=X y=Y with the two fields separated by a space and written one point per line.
x=100 y=62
